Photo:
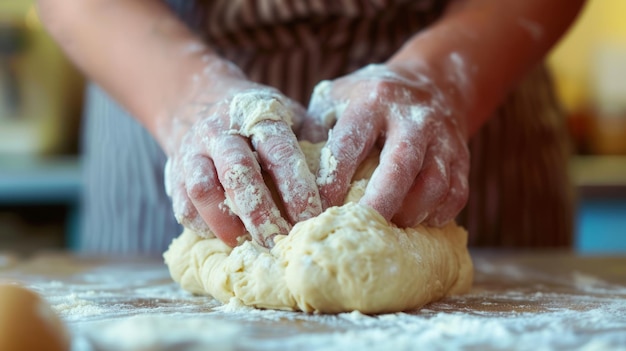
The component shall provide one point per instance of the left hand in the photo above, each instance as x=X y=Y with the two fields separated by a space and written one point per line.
x=416 y=119
x=219 y=140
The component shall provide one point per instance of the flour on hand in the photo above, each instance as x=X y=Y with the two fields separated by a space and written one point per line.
x=349 y=258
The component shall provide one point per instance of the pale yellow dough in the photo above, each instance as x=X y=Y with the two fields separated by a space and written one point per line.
x=348 y=258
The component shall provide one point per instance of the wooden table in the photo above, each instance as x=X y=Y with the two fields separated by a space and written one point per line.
x=524 y=301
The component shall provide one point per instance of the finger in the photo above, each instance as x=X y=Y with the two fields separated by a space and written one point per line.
x=323 y=114
x=186 y=214
x=347 y=146
x=299 y=114
x=282 y=158
x=400 y=162
x=208 y=200
x=428 y=191
x=240 y=175
x=311 y=130
x=184 y=210
x=455 y=200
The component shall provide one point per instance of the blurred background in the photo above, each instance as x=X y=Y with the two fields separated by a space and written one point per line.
x=41 y=103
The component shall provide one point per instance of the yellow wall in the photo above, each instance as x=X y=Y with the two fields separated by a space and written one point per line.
x=601 y=22
x=50 y=87
x=14 y=7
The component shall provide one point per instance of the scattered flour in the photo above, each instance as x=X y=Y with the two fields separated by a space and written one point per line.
x=130 y=306
x=76 y=308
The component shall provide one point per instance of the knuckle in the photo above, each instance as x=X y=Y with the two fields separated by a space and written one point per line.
x=348 y=146
x=408 y=156
x=279 y=150
x=438 y=185
x=212 y=125
x=200 y=179
x=199 y=192
x=383 y=88
x=238 y=173
x=258 y=217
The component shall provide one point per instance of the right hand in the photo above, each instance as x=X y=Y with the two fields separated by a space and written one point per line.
x=218 y=140
x=418 y=124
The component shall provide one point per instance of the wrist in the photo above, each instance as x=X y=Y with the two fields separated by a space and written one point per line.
x=207 y=79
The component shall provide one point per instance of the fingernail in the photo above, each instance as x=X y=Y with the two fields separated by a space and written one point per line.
x=421 y=218
x=269 y=241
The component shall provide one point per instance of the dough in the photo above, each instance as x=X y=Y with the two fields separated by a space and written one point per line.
x=27 y=322
x=348 y=258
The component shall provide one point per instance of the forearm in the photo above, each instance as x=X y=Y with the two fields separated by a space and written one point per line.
x=483 y=47
x=138 y=51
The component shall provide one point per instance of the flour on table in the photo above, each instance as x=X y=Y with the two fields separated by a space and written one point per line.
x=349 y=258
x=73 y=305
x=142 y=309
x=154 y=332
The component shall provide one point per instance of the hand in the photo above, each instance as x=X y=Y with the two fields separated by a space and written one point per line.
x=219 y=141
x=424 y=161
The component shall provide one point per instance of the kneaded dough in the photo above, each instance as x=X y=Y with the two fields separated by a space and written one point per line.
x=348 y=258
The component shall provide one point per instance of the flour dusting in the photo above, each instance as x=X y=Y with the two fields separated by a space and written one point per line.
x=133 y=305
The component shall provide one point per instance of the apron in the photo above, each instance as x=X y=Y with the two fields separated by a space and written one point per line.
x=520 y=194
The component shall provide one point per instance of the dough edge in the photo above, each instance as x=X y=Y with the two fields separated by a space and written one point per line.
x=348 y=258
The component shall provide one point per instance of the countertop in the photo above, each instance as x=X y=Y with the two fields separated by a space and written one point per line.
x=520 y=300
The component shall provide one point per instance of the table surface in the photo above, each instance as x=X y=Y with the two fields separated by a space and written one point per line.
x=538 y=300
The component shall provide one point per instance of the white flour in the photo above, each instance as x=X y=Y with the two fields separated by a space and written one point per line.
x=248 y=328
x=133 y=306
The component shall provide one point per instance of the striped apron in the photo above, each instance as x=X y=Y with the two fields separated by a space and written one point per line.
x=520 y=193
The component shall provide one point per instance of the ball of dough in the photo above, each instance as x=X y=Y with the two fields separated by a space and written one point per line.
x=348 y=258
x=28 y=323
